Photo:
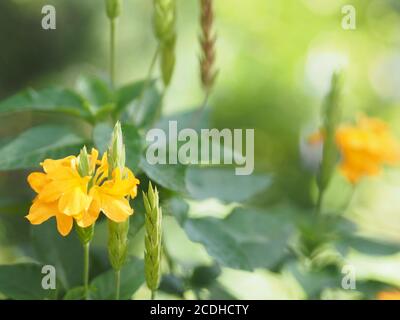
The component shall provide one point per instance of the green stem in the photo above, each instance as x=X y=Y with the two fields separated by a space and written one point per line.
x=149 y=74
x=318 y=207
x=86 y=248
x=117 y=283
x=153 y=294
x=112 y=51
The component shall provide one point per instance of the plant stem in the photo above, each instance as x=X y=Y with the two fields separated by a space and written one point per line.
x=112 y=51
x=153 y=294
x=318 y=207
x=117 y=283
x=149 y=74
x=86 y=248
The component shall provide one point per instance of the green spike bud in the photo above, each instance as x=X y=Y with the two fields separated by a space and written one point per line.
x=153 y=238
x=331 y=114
x=164 y=20
x=116 y=151
x=117 y=243
x=83 y=163
x=113 y=8
x=117 y=232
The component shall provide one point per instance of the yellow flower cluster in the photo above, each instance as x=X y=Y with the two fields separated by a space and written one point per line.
x=388 y=295
x=365 y=147
x=65 y=194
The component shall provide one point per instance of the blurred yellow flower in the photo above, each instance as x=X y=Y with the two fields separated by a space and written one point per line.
x=365 y=147
x=388 y=295
x=65 y=194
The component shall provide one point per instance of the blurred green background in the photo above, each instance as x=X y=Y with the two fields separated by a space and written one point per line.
x=275 y=59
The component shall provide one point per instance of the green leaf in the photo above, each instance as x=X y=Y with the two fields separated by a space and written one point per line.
x=219 y=243
x=95 y=90
x=23 y=282
x=197 y=119
x=262 y=234
x=205 y=276
x=141 y=108
x=246 y=239
x=64 y=253
x=177 y=208
x=133 y=146
x=77 y=293
x=132 y=277
x=46 y=100
x=101 y=136
x=223 y=184
x=170 y=176
x=36 y=144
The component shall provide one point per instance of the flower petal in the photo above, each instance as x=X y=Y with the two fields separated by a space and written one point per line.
x=64 y=223
x=41 y=211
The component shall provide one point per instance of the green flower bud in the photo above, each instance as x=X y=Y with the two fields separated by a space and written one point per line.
x=117 y=232
x=83 y=163
x=116 y=151
x=113 y=8
x=153 y=220
x=168 y=61
x=85 y=235
x=164 y=19
x=117 y=243
x=331 y=119
x=164 y=28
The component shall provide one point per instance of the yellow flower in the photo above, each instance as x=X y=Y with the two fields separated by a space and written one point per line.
x=365 y=147
x=63 y=193
x=389 y=295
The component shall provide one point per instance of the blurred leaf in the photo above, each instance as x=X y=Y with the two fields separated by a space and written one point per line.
x=132 y=277
x=314 y=282
x=99 y=94
x=102 y=136
x=127 y=94
x=36 y=144
x=95 y=90
x=176 y=207
x=205 y=276
x=172 y=284
x=246 y=239
x=23 y=282
x=133 y=146
x=46 y=100
x=223 y=184
x=141 y=108
x=77 y=293
x=220 y=244
x=368 y=246
x=197 y=119
x=170 y=176
x=64 y=253
x=262 y=234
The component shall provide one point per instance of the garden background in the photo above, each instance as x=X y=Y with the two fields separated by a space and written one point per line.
x=275 y=60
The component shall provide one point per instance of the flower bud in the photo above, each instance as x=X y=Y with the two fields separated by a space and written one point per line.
x=113 y=8
x=117 y=243
x=164 y=28
x=331 y=120
x=153 y=219
x=83 y=163
x=117 y=231
x=116 y=151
